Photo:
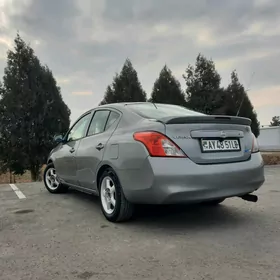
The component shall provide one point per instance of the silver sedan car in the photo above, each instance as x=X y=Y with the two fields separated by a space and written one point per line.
x=146 y=153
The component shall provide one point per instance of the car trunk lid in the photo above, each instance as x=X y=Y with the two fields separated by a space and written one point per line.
x=211 y=139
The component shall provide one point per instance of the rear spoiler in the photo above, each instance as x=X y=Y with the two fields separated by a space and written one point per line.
x=206 y=119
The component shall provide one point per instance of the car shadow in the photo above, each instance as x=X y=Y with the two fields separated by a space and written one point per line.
x=196 y=216
x=177 y=217
x=90 y=199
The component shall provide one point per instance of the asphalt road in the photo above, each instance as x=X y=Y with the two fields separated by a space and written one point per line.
x=51 y=237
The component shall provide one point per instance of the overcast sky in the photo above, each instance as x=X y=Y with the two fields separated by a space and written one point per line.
x=86 y=42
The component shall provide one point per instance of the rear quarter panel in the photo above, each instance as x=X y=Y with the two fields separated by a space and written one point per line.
x=125 y=155
x=122 y=151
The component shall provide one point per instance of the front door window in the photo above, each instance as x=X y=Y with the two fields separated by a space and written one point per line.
x=78 y=131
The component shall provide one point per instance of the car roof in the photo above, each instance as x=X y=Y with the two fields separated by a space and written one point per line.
x=120 y=104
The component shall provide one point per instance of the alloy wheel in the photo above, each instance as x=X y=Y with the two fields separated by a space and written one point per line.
x=51 y=179
x=108 y=195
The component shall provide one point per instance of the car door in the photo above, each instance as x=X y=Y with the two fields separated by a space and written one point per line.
x=91 y=149
x=65 y=162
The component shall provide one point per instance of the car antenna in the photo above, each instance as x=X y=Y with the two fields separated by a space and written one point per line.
x=244 y=94
x=154 y=105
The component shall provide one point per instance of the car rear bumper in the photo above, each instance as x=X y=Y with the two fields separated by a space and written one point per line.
x=170 y=180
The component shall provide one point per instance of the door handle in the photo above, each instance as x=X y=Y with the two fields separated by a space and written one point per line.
x=72 y=150
x=99 y=147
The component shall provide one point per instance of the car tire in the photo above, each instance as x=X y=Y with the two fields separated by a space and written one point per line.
x=51 y=182
x=214 y=202
x=114 y=205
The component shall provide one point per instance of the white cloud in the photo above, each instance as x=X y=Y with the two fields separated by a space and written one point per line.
x=82 y=93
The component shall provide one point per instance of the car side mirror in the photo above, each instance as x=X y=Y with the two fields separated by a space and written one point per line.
x=58 y=138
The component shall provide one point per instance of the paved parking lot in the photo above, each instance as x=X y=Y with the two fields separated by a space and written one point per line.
x=65 y=236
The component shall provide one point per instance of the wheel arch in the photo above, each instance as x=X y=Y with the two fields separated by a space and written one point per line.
x=100 y=172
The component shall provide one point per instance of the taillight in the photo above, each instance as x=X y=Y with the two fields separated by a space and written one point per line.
x=255 y=145
x=158 y=145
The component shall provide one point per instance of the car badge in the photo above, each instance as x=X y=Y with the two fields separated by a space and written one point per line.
x=223 y=134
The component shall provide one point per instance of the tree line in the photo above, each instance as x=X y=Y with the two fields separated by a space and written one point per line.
x=203 y=91
x=32 y=109
x=275 y=121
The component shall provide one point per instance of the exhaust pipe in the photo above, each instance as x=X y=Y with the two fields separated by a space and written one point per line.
x=250 y=197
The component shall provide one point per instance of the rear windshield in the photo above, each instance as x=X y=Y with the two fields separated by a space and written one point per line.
x=157 y=111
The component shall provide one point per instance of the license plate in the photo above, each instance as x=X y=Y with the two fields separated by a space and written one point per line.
x=220 y=146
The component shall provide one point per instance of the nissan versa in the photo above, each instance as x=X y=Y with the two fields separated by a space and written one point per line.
x=146 y=153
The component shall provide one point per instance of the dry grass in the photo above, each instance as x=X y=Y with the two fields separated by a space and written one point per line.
x=25 y=178
x=272 y=158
